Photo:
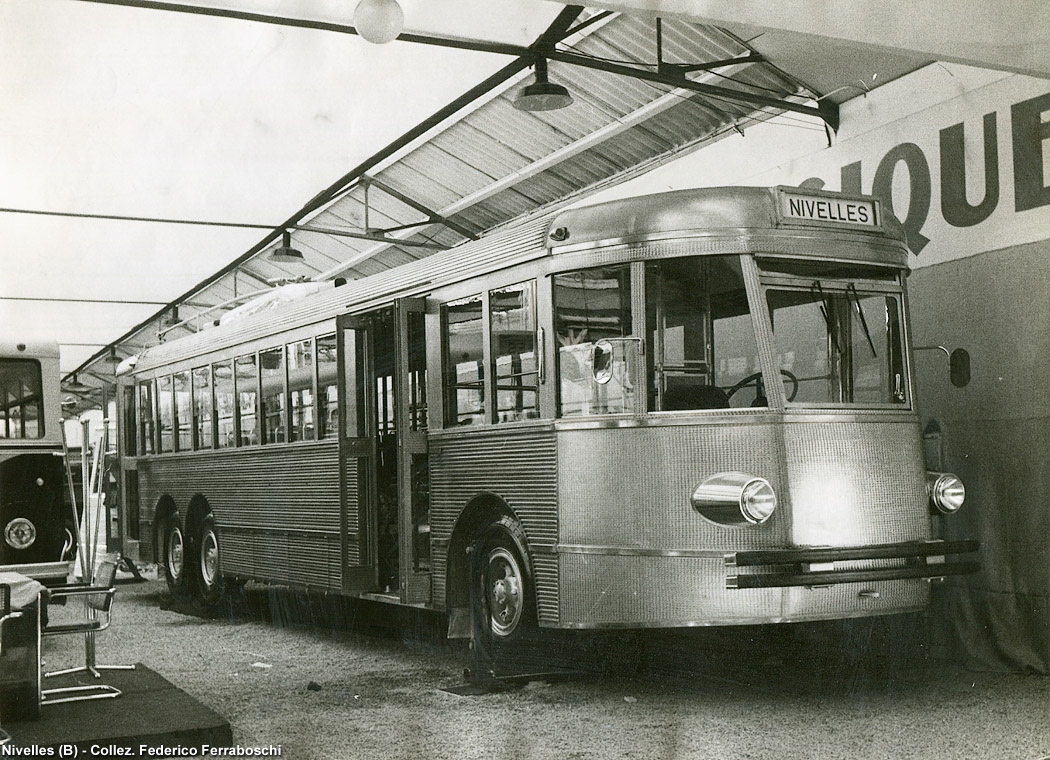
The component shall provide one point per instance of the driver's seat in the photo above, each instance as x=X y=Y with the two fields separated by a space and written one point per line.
x=684 y=397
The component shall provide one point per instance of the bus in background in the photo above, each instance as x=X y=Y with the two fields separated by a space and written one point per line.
x=35 y=512
x=693 y=408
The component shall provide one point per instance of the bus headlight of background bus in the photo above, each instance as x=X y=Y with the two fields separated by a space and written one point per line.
x=20 y=533
x=735 y=498
x=947 y=492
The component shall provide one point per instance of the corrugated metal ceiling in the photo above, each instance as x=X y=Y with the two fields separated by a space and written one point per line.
x=492 y=164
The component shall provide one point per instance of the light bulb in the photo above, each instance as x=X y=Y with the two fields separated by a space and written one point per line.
x=379 y=21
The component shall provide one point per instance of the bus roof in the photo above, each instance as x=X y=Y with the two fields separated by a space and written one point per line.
x=30 y=348
x=686 y=213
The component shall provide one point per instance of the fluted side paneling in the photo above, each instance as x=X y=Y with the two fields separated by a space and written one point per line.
x=277 y=508
x=522 y=470
x=353 y=511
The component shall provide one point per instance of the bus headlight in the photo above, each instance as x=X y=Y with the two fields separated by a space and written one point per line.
x=20 y=533
x=735 y=498
x=947 y=492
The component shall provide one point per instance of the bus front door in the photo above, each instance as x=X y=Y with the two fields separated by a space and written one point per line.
x=385 y=479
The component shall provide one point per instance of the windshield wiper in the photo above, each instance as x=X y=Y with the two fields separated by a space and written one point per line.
x=852 y=290
x=817 y=291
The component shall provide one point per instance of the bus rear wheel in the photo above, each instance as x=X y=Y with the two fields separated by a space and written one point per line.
x=174 y=555
x=502 y=601
x=210 y=586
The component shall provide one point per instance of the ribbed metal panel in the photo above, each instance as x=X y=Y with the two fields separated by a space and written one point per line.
x=260 y=498
x=521 y=469
x=856 y=483
x=352 y=469
x=631 y=487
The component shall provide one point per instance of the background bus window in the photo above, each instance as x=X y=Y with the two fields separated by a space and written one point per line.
x=464 y=362
x=183 y=413
x=327 y=384
x=247 y=373
x=702 y=337
x=301 y=389
x=21 y=399
x=147 y=431
x=592 y=305
x=271 y=372
x=202 y=411
x=165 y=415
x=512 y=320
x=222 y=376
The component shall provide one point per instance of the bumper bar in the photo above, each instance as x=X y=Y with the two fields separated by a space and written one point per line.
x=793 y=567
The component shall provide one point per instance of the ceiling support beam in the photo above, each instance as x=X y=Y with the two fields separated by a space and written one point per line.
x=825 y=109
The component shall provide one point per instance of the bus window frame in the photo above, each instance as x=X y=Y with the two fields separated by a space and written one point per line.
x=21 y=402
x=838 y=285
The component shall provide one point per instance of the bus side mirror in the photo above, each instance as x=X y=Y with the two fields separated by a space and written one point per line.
x=602 y=361
x=959 y=367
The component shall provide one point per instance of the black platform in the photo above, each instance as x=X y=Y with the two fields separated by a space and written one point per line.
x=151 y=711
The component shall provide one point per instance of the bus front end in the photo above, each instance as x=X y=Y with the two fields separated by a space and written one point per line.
x=738 y=441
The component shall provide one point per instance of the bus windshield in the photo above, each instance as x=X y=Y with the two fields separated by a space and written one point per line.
x=21 y=399
x=838 y=336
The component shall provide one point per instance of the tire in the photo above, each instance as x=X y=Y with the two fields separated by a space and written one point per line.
x=210 y=585
x=174 y=554
x=503 y=604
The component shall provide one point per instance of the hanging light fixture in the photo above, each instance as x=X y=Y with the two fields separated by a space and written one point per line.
x=542 y=95
x=286 y=253
x=379 y=21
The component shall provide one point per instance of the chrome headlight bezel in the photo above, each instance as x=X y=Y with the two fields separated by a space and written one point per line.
x=946 y=492
x=20 y=533
x=735 y=499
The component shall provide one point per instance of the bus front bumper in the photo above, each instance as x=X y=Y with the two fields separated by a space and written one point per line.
x=828 y=566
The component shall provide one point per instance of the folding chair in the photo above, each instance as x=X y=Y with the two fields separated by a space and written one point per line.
x=6 y=614
x=98 y=603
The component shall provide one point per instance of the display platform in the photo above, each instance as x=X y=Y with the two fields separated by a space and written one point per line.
x=151 y=712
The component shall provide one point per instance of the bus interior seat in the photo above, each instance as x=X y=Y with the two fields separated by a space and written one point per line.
x=682 y=397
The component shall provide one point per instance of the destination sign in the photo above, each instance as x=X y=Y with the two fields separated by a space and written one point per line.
x=819 y=208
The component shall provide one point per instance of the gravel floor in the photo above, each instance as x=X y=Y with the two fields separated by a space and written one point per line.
x=334 y=679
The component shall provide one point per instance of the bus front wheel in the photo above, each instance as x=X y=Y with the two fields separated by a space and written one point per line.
x=502 y=603
x=174 y=555
x=209 y=572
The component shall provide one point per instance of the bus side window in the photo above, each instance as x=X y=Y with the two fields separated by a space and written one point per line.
x=165 y=415
x=202 y=408
x=301 y=389
x=327 y=383
x=130 y=425
x=183 y=405
x=271 y=373
x=590 y=306
x=512 y=320
x=464 y=362
x=246 y=371
x=222 y=374
x=147 y=414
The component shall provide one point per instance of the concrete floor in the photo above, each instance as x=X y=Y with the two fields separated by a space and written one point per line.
x=340 y=680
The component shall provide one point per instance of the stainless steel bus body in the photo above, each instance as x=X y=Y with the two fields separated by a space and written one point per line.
x=618 y=481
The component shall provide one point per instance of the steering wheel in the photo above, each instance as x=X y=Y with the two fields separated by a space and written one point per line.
x=758 y=376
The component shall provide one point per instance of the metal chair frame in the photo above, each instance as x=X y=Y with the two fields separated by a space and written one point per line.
x=98 y=603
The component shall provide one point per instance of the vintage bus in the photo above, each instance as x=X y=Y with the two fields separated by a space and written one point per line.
x=35 y=509
x=693 y=408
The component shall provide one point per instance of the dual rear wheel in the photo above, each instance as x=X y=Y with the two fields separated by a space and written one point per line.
x=502 y=599
x=191 y=565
